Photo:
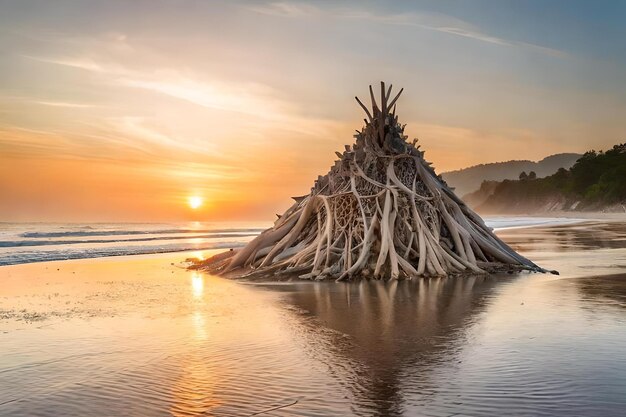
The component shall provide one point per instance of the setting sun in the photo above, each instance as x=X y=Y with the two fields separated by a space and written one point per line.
x=195 y=202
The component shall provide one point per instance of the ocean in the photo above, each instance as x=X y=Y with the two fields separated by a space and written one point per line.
x=40 y=242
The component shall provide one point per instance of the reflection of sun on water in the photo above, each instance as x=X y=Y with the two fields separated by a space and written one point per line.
x=194 y=391
x=197 y=285
x=199 y=325
x=197 y=291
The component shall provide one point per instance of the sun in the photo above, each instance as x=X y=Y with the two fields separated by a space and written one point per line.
x=194 y=202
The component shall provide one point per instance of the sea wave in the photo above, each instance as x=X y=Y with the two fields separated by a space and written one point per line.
x=22 y=243
x=80 y=233
x=507 y=222
x=66 y=254
x=41 y=242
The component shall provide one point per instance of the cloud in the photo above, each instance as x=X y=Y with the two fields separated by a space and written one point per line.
x=250 y=99
x=31 y=142
x=472 y=34
x=84 y=64
x=429 y=21
x=261 y=107
x=285 y=9
x=258 y=113
x=140 y=130
x=63 y=104
x=45 y=102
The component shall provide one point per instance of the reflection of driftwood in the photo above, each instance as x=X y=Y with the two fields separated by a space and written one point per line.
x=383 y=340
x=381 y=211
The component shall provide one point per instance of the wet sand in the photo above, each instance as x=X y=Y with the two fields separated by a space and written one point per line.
x=142 y=336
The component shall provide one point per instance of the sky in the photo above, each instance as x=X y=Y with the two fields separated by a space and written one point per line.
x=123 y=110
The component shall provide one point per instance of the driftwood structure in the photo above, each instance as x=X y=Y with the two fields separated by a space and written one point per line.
x=380 y=212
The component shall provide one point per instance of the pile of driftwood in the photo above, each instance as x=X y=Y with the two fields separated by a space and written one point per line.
x=380 y=212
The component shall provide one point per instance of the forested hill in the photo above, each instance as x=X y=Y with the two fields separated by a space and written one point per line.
x=469 y=179
x=597 y=181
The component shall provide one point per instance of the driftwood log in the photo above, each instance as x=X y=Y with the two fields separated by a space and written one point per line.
x=380 y=212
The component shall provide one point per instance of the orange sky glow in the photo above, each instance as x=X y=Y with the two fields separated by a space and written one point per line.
x=125 y=112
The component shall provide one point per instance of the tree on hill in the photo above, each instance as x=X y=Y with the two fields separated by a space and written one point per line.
x=595 y=182
x=532 y=175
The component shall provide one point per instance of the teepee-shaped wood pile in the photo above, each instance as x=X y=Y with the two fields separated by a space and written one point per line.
x=380 y=212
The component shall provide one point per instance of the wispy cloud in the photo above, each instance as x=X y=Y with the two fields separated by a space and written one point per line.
x=262 y=105
x=429 y=21
x=84 y=64
x=286 y=9
x=46 y=102
x=250 y=99
x=32 y=142
x=140 y=130
x=64 y=104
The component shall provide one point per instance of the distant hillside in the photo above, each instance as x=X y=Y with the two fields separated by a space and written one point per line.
x=597 y=181
x=469 y=179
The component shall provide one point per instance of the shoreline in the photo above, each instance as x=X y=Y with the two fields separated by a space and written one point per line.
x=593 y=215
x=575 y=249
x=178 y=259
x=507 y=223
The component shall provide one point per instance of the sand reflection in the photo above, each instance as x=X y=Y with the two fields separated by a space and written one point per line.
x=193 y=391
x=589 y=235
x=197 y=285
x=603 y=292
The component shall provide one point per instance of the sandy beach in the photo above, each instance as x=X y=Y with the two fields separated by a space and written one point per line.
x=143 y=336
